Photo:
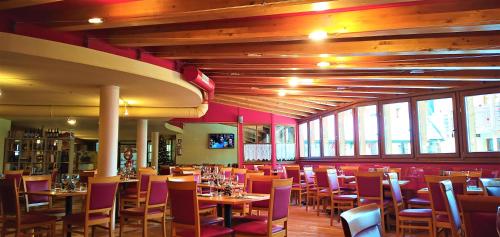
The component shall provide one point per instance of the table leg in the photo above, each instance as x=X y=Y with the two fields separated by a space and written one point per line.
x=228 y=214
x=219 y=210
x=69 y=210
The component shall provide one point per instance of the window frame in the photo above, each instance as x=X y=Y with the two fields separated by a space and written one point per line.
x=416 y=138
x=463 y=125
x=335 y=135
x=256 y=125
x=357 y=152
x=337 y=145
x=320 y=125
x=308 y=141
x=382 y=130
x=295 y=137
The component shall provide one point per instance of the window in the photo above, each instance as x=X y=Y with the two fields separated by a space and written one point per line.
x=328 y=125
x=482 y=119
x=346 y=133
x=315 y=138
x=285 y=143
x=257 y=142
x=303 y=140
x=368 y=130
x=397 y=136
x=436 y=126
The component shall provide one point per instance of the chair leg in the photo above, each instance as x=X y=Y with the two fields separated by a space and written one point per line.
x=53 y=230
x=318 y=201
x=122 y=225
x=164 y=227
x=86 y=231
x=110 y=230
x=145 y=228
x=64 y=229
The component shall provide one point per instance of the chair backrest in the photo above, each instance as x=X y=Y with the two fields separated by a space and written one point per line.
x=479 y=214
x=101 y=195
x=240 y=174
x=184 y=204
x=143 y=176
x=397 y=196
x=9 y=201
x=261 y=184
x=308 y=174
x=36 y=183
x=452 y=208
x=369 y=185
x=333 y=181
x=293 y=172
x=14 y=175
x=491 y=186
x=363 y=221
x=85 y=174
x=247 y=179
x=396 y=171
x=164 y=170
x=227 y=171
x=266 y=169
x=281 y=190
x=435 y=194
x=157 y=192
x=349 y=170
x=321 y=177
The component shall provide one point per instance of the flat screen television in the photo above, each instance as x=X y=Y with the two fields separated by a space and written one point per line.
x=221 y=141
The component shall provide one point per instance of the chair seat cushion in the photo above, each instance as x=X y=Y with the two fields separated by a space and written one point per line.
x=427 y=213
x=204 y=205
x=364 y=201
x=139 y=211
x=48 y=211
x=210 y=220
x=133 y=196
x=31 y=219
x=442 y=218
x=419 y=201
x=255 y=228
x=79 y=218
x=348 y=188
x=345 y=197
x=206 y=231
x=249 y=218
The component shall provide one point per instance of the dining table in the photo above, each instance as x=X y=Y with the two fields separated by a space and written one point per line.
x=385 y=183
x=471 y=190
x=225 y=203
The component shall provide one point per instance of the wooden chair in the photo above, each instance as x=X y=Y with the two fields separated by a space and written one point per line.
x=99 y=204
x=339 y=202
x=362 y=221
x=276 y=223
x=491 y=186
x=260 y=184
x=348 y=171
x=86 y=174
x=298 y=187
x=227 y=172
x=12 y=218
x=452 y=209
x=310 y=186
x=369 y=186
x=15 y=175
x=407 y=218
x=155 y=209
x=39 y=183
x=479 y=214
x=240 y=174
x=440 y=218
x=266 y=169
x=323 y=192
x=185 y=213
x=140 y=192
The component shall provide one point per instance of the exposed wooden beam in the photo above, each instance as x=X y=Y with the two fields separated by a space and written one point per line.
x=322 y=102
x=260 y=102
x=341 y=94
x=464 y=44
x=12 y=4
x=294 y=102
x=260 y=108
x=404 y=20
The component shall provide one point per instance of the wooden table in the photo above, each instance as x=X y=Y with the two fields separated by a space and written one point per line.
x=385 y=183
x=207 y=185
x=472 y=190
x=227 y=203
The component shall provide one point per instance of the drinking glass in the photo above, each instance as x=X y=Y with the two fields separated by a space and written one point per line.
x=64 y=181
x=498 y=221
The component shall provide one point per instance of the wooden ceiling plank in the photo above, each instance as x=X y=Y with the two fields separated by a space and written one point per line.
x=275 y=102
x=293 y=102
x=257 y=102
x=256 y=107
x=12 y=4
x=355 y=95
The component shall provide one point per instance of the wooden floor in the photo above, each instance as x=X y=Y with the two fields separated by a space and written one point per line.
x=301 y=224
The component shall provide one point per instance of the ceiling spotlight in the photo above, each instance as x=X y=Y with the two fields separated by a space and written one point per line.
x=294 y=81
x=324 y=55
x=323 y=64
x=1 y=92
x=306 y=81
x=71 y=121
x=95 y=20
x=281 y=92
x=318 y=35
x=320 y=6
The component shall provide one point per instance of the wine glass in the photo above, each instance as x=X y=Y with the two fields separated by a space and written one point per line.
x=64 y=181
x=498 y=221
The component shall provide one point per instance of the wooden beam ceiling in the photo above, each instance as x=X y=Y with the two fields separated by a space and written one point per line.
x=13 y=4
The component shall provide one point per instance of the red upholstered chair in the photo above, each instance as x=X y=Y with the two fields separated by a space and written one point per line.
x=338 y=201
x=14 y=221
x=260 y=184
x=240 y=174
x=135 y=199
x=362 y=221
x=323 y=192
x=491 y=186
x=185 y=212
x=86 y=174
x=298 y=187
x=348 y=171
x=15 y=175
x=164 y=170
x=479 y=214
x=266 y=169
x=439 y=214
x=99 y=203
x=370 y=190
x=155 y=209
x=277 y=217
x=420 y=219
x=39 y=183
x=310 y=186
x=452 y=208
x=227 y=172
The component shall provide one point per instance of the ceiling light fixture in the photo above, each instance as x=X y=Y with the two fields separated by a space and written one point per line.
x=324 y=55
x=294 y=81
x=320 y=6
x=125 y=112
x=71 y=121
x=95 y=20
x=318 y=35
x=323 y=64
x=281 y=92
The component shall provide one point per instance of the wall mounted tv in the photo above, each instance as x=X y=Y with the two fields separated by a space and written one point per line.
x=220 y=141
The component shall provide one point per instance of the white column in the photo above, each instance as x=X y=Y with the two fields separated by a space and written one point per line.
x=109 y=112
x=142 y=143
x=155 y=140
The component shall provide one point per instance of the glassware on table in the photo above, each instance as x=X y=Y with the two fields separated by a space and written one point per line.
x=64 y=181
x=498 y=221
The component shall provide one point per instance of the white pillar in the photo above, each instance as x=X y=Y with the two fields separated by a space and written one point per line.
x=142 y=143
x=109 y=112
x=155 y=140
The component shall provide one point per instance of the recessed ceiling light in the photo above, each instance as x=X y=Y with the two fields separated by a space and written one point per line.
x=306 y=81
x=323 y=64
x=254 y=54
x=1 y=92
x=95 y=20
x=281 y=92
x=71 y=121
x=318 y=35
x=324 y=55
x=294 y=81
x=320 y=6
